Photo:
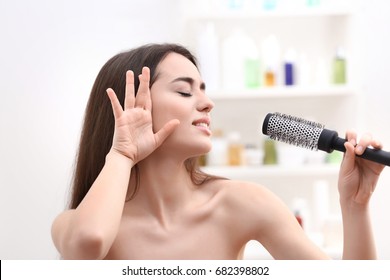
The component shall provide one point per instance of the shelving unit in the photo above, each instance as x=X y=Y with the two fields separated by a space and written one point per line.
x=278 y=92
x=315 y=31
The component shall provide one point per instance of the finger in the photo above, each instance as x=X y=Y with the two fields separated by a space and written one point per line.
x=143 y=95
x=130 y=96
x=375 y=143
x=349 y=156
x=363 y=143
x=351 y=137
x=165 y=131
x=116 y=106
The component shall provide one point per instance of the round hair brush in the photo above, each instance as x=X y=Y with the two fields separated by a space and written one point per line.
x=312 y=135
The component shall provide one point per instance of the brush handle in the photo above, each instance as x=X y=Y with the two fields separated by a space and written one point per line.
x=330 y=141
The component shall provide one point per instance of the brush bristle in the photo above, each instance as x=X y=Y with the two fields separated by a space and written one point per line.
x=294 y=130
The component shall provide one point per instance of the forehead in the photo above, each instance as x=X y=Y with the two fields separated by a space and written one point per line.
x=174 y=65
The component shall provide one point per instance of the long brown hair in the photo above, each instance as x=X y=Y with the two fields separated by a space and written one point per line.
x=98 y=127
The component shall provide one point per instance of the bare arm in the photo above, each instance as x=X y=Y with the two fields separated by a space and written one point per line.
x=357 y=182
x=89 y=231
x=261 y=215
x=283 y=237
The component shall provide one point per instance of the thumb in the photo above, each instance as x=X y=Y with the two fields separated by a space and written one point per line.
x=165 y=131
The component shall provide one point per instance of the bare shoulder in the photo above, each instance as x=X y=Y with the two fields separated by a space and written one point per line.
x=255 y=213
x=248 y=205
x=236 y=192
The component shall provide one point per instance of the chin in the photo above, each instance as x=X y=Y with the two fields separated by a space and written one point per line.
x=199 y=149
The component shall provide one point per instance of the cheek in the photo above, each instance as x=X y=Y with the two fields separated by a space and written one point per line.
x=166 y=111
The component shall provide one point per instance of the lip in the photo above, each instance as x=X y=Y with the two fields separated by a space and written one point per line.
x=205 y=129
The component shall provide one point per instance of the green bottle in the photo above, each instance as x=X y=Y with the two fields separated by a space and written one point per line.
x=252 y=73
x=339 y=67
x=270 y=154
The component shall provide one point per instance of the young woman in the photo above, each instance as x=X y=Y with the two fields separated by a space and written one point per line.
x=139 y=194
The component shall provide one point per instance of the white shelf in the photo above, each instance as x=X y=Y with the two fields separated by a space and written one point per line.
x=283 y=92
x=272 y=170
x=248 y=13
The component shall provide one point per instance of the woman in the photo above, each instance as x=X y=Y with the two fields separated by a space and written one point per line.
x=138 y=193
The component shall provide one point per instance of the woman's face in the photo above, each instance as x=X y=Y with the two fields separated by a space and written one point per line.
x=179 y=93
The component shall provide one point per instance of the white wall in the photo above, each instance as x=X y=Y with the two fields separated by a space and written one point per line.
x=374 y=33
x=50 y=53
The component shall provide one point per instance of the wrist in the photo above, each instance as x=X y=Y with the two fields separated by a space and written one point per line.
x=113 y=154
x=352 y=206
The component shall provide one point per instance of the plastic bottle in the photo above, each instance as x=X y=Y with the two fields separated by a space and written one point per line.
x=339 y=67
x=232 y=61
x=269 y=77
x=270 y=154
x=208 y=55
x=301 y=212
x=218 y=154
x=289 y=67
x=235 y=149
x=240 y=61
x=299 y=218
x=304 y=71
x=252 y=66
x=271 y=59
x=321 y=204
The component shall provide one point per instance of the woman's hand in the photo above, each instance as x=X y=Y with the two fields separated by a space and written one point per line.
x=358 y=177
x=133 y=135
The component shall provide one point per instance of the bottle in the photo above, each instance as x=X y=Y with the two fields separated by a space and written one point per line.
x=339 y=67
x=313 y=3
x=240 y=61
x=252 y=155
x=270 y=155
x=218 y=153
x=289 y=68
x=208 y=55
x=321 y=204
x=202 y=160
x=269 y=4
x=271 y=59
x=269 y=77
x=251 y=62
x=299 y=218
x=304 y=71
x=300 y=209
x=235 y=149
x=233 y=61
x=321 y=73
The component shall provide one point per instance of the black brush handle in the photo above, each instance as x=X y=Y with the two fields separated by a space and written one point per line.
x=330 y=141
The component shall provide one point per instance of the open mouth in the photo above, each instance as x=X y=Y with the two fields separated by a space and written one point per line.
x=203 y=124
x=206 y=125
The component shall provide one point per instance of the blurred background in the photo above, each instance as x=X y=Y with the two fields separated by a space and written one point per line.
x=323 y=60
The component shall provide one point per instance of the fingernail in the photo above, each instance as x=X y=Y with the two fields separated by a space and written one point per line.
x=359 y=150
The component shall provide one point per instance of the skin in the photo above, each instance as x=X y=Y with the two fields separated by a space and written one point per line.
x=170 y=217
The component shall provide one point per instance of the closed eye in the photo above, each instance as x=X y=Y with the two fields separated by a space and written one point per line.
x=184 y=94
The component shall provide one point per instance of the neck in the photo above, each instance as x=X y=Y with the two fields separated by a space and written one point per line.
x=165 y=187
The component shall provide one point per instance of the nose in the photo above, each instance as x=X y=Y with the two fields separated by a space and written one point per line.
x=205 y=104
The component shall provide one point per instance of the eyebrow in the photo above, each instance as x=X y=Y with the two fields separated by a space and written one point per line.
x=190 y=81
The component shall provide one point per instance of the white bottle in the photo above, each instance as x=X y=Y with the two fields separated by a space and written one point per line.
x=304 y=75
x=237 y=48
x=321 y=204
x=219 y=150
x=208 y=56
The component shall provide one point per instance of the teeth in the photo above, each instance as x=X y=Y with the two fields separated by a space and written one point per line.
x=202 y=124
